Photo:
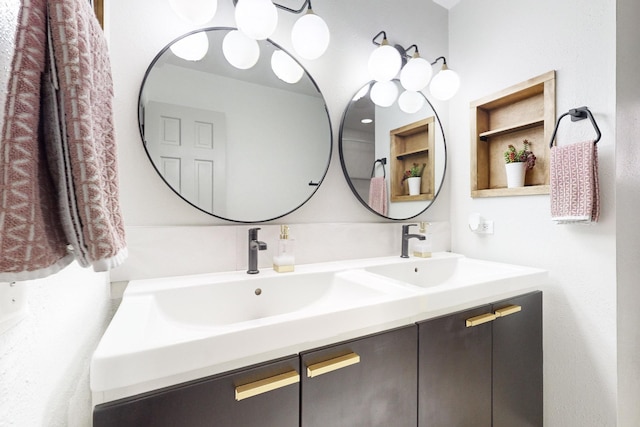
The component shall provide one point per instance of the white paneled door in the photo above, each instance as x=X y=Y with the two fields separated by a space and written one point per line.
x=188 y=146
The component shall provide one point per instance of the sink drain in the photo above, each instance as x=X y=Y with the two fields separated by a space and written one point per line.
x=258 y=291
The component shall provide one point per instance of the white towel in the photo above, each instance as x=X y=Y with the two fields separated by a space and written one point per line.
x=574 y=192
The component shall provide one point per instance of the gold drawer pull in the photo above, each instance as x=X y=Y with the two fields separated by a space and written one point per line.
x=332 y=364
x=479 y=320
x=267 y=384
x=505 y=311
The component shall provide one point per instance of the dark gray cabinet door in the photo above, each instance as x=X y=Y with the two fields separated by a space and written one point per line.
x=377 y=391
x=517 y=363
x=211 y=402
x=454 y=371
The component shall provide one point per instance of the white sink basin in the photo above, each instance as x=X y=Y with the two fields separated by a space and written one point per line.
x=220 y=304
x=447 y=271
x=171 y=330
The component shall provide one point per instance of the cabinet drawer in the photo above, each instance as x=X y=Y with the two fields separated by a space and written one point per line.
x=265 y=395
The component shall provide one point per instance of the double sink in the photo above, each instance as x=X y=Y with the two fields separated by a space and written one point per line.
x=170 y=330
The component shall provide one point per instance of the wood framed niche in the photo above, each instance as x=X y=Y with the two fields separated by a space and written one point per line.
x=523 y=111
x=412 y=143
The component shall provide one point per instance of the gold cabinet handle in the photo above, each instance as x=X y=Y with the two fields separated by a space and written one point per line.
x=332 y=364
x=268 y=384
x=479 y=320
x=505 y=311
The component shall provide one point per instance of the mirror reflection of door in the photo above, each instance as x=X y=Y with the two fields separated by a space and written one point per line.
x=188 y=146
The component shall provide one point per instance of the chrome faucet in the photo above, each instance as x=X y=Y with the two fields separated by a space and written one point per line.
x=254 y=246
x=405 y=239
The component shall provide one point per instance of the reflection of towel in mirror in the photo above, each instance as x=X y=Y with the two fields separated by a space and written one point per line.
x=378 y=195
x=574 y=183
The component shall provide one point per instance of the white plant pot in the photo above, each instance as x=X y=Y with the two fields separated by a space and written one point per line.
x=414 y=185
x=516 y=172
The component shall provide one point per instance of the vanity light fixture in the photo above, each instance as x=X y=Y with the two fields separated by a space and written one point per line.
x=258 y=19
x=415 y=73
x=193 y=47
x=197 y=12
x=285 y=67
x=446 y=83
x=239 y=50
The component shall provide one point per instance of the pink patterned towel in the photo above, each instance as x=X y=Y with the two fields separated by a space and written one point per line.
x=58 y=179
x=378 y=195
x=574 y=183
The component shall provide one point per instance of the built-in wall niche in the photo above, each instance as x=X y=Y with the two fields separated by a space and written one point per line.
x=523 y=111
x=412 y=143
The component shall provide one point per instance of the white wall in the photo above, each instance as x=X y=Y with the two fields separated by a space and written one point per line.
x=627 y=207
x=498 y=43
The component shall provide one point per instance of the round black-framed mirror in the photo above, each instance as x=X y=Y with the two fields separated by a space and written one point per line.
x=239 y=144
x=380 y=147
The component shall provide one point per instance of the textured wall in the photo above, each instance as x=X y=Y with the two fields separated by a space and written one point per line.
x=44 y=359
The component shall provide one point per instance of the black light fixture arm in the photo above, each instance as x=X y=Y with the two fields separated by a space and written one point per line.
x=444 y=60
x=305 y=5
x=404 y=53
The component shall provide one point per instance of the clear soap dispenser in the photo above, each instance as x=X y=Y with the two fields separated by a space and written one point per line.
x=422 y=248
x=284 y=259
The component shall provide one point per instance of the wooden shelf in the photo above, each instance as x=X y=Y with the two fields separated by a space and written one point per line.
x=402 y=156
x=412 y=143
x=523 y=111
x=484 y=136
x=419 y=197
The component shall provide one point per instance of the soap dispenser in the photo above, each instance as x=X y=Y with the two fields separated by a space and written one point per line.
x=422 y=248
x=284 y=259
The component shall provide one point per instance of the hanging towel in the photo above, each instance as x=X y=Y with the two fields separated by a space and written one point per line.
x=574 y=183
x=58 y=179
x=378 y=195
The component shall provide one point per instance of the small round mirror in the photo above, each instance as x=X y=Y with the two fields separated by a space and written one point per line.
x=394 y=158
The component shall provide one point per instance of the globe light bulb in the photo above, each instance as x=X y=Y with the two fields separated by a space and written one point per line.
x=410 y=102
x=384 y=62
x=193 y=47
x=310 y=36
x=415 y=75
x=240 y=51
x=285 y=67
x=258 y=19
x=384 y=94
x=197 y=12
x=445 y=84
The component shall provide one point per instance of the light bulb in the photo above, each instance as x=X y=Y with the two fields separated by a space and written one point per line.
x=362 y=92
x=384 y=62
x=197 y=12
x=258 y=19
x=384 y=94
x=445 y=84
x=415 y=75
x=310 y=36
x=285 y=67
x=410 y=102
x=193 y=47
x=239 y=50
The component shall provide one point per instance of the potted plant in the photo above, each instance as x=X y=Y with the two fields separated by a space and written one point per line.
x=414 y=177
x=517 y=163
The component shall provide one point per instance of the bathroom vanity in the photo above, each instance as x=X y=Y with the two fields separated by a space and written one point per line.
x=474 y=360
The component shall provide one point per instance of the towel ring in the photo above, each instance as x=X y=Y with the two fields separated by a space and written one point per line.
x=382 y=161
x=576 y=114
